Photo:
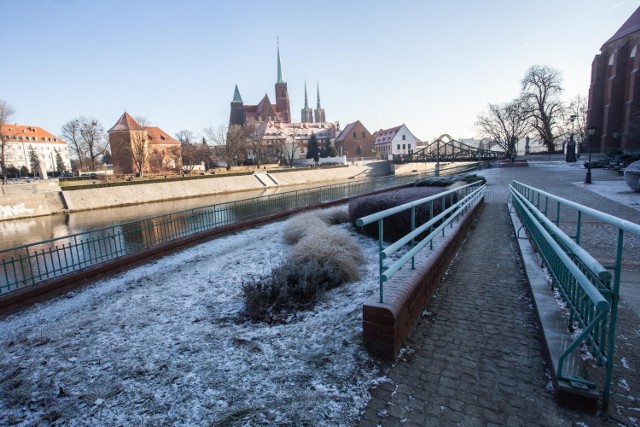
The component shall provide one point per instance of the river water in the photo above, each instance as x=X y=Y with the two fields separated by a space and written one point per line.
x=20 y=232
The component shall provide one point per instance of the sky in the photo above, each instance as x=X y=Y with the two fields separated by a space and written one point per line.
x=433 y=65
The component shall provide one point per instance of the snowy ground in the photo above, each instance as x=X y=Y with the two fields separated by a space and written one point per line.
x=163 y=344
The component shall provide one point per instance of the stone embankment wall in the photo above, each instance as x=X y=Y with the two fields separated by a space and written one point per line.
x=28 y=200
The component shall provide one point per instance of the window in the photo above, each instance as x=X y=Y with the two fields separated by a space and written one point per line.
x=398 y=146
x=404 y=146
x=363 y=134
x=404 y=137
x=354 y=135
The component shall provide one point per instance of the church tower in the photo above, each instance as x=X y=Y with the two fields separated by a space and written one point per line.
x=238 y=113
x=306 y=113
x=319 y=113
x=282 y=95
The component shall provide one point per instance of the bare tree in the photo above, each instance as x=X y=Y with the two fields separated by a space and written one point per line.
x=71 y=134
x=541 y=90
x=86 y=139
x=185 y=136
x=231 y=143
x=6 y=114
x=94 y=138
x=292 y=145
x=504 y=124
x=140 y=145
x=578 y=117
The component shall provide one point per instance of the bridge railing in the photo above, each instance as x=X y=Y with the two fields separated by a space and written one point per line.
x=36 y=263
x=467 y=196
x=575 y=273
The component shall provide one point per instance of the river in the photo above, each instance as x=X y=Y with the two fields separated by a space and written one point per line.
x=20 y=232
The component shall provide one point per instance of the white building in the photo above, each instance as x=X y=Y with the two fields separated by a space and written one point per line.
x=395 y=141
x=23 y=138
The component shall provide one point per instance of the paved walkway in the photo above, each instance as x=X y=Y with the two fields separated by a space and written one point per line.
x=476 y=358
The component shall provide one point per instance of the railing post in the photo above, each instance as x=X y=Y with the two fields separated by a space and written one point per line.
x=380 y=248
x=413 y=241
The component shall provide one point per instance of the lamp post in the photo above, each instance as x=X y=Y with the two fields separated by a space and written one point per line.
x=587 y=180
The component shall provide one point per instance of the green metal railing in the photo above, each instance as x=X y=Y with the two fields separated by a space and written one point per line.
x=36 y=263
x=467 y=197
x=575 y=272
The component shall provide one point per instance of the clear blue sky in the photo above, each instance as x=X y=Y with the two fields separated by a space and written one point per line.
x=433 y=65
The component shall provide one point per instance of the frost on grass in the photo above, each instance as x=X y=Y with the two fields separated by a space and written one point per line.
x=162 y=345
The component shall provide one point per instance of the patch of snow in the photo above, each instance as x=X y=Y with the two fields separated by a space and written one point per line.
x=625 y=364
x=164 y=344
x=623 y=383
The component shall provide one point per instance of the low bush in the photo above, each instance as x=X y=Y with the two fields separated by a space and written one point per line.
x=447 y=180
x=335 y=249
x=322 y=258
x=296 y=227
x=289 y=288
x=398 y=225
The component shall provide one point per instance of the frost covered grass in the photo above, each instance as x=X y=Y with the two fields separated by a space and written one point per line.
x=163 y=344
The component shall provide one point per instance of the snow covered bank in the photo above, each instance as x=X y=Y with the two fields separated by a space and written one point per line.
x=164 y=344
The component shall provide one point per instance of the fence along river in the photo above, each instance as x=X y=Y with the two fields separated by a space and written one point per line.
x=35 y=263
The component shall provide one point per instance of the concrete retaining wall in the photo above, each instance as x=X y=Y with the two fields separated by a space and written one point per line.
x=29 y=200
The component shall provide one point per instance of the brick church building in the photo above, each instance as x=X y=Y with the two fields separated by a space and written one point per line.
x=280 y=112
x=614 y=94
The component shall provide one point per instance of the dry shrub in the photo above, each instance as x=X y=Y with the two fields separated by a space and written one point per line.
x=298 y=226
x=333 y=247
x=336 y=215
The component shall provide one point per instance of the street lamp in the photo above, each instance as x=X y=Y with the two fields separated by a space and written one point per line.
x=587 y=180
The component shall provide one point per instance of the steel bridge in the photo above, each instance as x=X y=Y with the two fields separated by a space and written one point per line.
x=445 y=148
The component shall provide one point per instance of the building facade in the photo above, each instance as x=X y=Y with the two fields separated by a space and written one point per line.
x=140 y=149
x=355 y=141
x=394 y=142
x=614 y=93
x=23 y=139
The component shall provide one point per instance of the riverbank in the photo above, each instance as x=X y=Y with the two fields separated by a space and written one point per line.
x=19 y=201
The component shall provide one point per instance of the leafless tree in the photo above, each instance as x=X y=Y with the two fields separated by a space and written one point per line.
x=292 y=145
x=504 y=124
x=541 y=90
x=185 y=136
x=71 y=134
x=6 y=114
x=87 y=140
x=231 y=143
x=140 y=145
x=578 y=118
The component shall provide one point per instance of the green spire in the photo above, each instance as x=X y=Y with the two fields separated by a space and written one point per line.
x=318 y=87
x=306 y=102
x=236 y=95
x=280 y=80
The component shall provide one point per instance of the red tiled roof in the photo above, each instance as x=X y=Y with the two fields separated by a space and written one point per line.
x=630 y=26
x=32 y=134
x=158 y=136
x=125 y=122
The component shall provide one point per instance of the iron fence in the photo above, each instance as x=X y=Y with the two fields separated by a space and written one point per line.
x=467 y=196
x=37 y=263
x=590 y=291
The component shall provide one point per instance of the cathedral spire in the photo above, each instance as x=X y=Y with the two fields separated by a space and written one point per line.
x=306 y=101
x=280 y=80
x=318 y=88
x=236 y=95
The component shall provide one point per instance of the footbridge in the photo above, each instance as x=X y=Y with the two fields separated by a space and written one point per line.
x=446 y=148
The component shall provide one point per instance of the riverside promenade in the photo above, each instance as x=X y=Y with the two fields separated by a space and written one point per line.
x=475 y=358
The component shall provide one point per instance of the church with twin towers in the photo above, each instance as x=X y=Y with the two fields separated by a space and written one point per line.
x=280 y=111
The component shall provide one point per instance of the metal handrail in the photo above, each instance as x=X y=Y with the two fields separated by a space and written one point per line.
x=473 y=192
x=537 y=201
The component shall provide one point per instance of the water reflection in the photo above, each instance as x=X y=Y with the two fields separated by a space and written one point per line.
x=24 y=231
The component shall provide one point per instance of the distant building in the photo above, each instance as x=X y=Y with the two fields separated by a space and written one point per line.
x=280 y=112
x=355 y=141
x=289 y=141
x=129 y=140
x=24 y=138
x=614 y=94
x=397 y=141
